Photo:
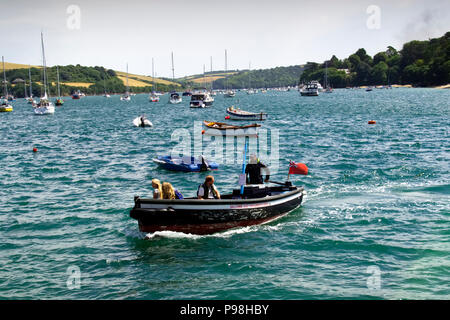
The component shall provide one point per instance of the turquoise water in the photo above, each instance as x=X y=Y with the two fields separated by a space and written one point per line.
x=375 y=223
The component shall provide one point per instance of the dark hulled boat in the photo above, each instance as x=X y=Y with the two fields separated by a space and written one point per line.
x=258 y=205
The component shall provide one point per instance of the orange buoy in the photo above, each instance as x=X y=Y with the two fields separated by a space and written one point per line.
x=34 y=149
x=372 y=122
x=227 y=117
x=203 y=131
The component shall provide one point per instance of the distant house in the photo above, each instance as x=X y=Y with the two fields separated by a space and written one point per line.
x=345 y=70
x=18 y=80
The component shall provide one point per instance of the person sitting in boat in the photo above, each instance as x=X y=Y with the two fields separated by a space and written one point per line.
x=208 y=190
x=253 y=171
x=157 y=189
x=142 y=121
x=168 y=192
x=204 y=166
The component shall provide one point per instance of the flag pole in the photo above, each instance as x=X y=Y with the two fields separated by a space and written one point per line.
x=243 y=163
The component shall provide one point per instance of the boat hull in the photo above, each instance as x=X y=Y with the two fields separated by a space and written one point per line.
x=191 y=165
x=211 y=216
x=247 y=116
x=41 y=111
x=201 y=104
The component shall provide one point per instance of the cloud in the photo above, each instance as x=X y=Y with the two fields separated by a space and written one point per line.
x=431 y=23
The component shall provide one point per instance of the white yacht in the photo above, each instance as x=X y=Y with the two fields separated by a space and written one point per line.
x=201 y=100
x=310 y=89
x=45 y=106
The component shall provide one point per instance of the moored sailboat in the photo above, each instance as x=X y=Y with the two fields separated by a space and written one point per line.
x=126 y=96
x=153 y=97
x=4 y=105
x=30 y=98
x=59 y=101
x=174 y=97
x=45 y=106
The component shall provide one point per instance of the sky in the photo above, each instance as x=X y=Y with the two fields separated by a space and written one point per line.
x=265 y=33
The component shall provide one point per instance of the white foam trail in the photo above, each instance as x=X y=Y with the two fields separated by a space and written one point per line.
x=181 y=235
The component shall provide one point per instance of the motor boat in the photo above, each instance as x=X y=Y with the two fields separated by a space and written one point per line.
x=201 y=100
x=175 y=98
x=310 y=89
x=258 y=204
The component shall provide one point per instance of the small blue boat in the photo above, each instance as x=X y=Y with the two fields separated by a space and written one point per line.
x=185 y=164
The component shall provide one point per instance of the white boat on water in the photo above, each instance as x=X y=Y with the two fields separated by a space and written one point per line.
x=319 y=86
x=45 y=106
x=175 y=98
x=4 y=105
x=126 y=96
x=310 y=89
x=201 y=100
x=153 y=96
x=230 y=94
x=238 y=114
x=142 y=121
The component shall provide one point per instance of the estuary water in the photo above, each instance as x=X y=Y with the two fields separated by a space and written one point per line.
x=375 y=223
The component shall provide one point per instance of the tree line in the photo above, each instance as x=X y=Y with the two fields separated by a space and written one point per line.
x=419 y=63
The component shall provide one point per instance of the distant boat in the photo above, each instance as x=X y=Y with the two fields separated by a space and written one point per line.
x=153 y=97
x=45 y=106
x=187 y=94
x=228 y=93
x=238 y=114
x=30 y=99
x=59 y=100
x=328 y=89
x=106 y=95
x=126 y=96
x=201 y=100
x=76 y=95
x=369 y=89
x=174 y=97
x=310 y=89
x=4 y=105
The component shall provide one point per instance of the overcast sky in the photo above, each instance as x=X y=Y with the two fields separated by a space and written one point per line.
x=268 y=33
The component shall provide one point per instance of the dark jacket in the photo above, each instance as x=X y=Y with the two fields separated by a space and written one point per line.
x=253 y=173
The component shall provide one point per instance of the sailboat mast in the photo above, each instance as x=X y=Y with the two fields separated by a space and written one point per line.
x=31 y=88
x=226 y=84
x=173 y=69
x=128 y=89
x=153 y=75
x=211 y=81
x=5 y=88
x=249 y=81
x=57 y=78
x=45 y=65
x=204 y=77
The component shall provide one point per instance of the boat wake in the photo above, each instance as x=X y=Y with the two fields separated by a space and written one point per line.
x=180 y=235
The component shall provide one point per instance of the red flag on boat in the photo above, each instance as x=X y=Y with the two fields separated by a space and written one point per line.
x=297 y=168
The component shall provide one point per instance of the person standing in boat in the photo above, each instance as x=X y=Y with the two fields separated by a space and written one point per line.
x=208 y=190
x=253 y=171
x=157 y=189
